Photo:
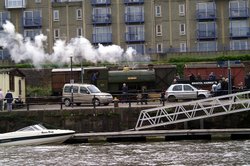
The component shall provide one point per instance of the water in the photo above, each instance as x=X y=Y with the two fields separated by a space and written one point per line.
x=150 y=153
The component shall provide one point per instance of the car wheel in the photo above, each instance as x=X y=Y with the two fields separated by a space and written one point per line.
x=96 y=102
x=67 y=102
x=201 y=97
x=171 y=98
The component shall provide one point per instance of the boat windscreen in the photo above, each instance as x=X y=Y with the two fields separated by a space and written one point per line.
x=33 y=128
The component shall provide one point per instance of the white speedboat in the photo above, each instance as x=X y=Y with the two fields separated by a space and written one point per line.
x=35 y=135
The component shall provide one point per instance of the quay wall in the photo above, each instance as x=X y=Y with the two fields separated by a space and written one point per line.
x=107 y=120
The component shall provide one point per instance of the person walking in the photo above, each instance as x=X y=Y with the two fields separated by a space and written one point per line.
x=1 y=100
x=124 y=92
x=9 y=99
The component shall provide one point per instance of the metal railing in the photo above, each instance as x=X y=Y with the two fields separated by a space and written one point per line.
x=199 y=109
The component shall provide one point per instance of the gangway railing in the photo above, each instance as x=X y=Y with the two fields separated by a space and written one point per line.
x=193 y=110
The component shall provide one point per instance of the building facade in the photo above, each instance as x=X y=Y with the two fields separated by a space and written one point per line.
x=149 y=26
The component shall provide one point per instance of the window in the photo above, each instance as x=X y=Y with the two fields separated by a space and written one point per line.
x=182 y=29
x=238 y=45
x=134 y=13
x=206 y=10
x=15 y=3
x=188 y=88
x=56 y=34
x=84 y=90
x=135 y=33
x=102 y=34
x=3 y=17
x=181 y=10
x=207 y=46
x=101 y=15
x=158 y=30
x=79 y=32
x=238 y=8
x=32 y=18
x=78 y=14
x=159 y=48
x=177 y=88
x=183 y=47
x=31 y=33
x=12 y=82
x=157 y=11
x=56 y=15
x=207 y=29
x=139 y=48
x=38 y=1
x=239 y=28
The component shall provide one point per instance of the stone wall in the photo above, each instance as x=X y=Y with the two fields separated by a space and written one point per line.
x=106 y=120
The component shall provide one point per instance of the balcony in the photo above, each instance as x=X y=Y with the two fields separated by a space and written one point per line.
x=206 y=15
x=206 y=34
x=238 y=13
x=100 y=3
x=132 y=37
x=240 y=32
x=105 y=38
x=15 y=4
x=128 y=2
x=4 y=54
x=102 y=19
x=134 y=18
x=32 y=22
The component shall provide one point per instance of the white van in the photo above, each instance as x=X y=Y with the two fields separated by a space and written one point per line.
x=84 y=94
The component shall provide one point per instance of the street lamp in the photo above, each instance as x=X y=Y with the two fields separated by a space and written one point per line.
x=71 y=81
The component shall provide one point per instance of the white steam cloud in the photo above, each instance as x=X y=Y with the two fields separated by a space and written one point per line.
x=78 y=48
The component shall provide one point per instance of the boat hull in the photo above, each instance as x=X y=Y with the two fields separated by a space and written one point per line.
x=38 y=138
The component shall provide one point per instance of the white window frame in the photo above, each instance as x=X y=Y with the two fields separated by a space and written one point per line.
x=158 y=29
x=157 y=11
x=240 y=43
x=181 y=9
x=56 y=15
x=159 y=48
x=182 y=28
x=78 y=14
x=79 y=32
x=183 y=47
x=56 y=34
x=11 y=4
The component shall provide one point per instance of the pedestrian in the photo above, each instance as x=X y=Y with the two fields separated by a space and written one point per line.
x=1 y=100
x=9 y=99
x=124 y=92
x=94 y=78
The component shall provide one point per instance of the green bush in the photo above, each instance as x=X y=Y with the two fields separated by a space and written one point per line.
x=38 y=91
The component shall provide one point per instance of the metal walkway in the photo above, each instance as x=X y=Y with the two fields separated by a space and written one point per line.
x=193 y=110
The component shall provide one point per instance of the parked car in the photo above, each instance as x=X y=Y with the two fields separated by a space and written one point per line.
x=185 y=91
x=84 y=94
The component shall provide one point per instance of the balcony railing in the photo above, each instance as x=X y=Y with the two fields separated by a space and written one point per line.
x=102 y=19
x=32 y=22
x=18 y=4
x=133 y=1
x=102 y=38
x=238 y=13
x=132 y=37
x=206 y=34
x=240 y=32
x=134 y=18
x=103 y=2
x=206 y=15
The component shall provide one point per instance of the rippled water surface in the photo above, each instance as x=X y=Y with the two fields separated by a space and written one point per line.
x=150 y=153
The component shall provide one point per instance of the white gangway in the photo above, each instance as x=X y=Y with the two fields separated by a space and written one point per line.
x=193 y=110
